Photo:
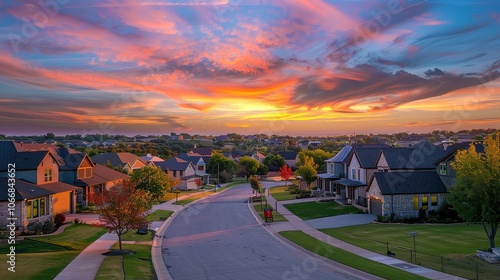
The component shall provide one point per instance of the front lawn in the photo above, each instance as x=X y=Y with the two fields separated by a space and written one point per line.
x=450 y=247
x=44 y=257
x=314 y=210
x=159 y=215
x=281 y=193
x=137 y=266
x=347 y=258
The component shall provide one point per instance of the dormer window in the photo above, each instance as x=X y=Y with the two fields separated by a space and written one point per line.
x=47 y=175
x=84 y=172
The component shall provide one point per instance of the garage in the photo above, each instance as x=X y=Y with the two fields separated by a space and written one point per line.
x=376 y=206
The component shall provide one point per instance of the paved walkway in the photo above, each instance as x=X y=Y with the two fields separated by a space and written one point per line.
x=295 y=223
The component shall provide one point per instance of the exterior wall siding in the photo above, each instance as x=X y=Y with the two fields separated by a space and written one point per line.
x=382 y=162
x=402 y=205
x=47 y=163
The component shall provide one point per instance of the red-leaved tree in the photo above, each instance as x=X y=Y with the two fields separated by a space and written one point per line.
x=122 y=207
x=285 y=173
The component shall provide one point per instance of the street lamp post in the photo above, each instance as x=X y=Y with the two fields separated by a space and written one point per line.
x=414 y=234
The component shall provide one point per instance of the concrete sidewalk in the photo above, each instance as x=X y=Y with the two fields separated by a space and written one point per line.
x=295 y=223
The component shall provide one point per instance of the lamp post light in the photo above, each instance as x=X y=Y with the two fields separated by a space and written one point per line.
x=414 y=234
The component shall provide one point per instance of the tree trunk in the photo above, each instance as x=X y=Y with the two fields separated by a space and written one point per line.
x=492 y=233
x=120 y=241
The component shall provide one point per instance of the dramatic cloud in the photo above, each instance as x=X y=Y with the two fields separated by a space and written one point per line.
x=220 y=66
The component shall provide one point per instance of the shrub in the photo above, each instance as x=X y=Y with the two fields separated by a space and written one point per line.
x=76 y=221
x=48 y=227
x=34 y=227
x=59 y=220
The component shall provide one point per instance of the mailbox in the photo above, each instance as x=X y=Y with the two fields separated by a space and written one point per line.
x=268 y=214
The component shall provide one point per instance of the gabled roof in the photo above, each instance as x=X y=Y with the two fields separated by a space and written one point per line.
x=288 y=155
x=118 y=159
x=367 y=157
x=419 y=182
x=451 y=151
x=24 y=190
x=420 y=156
x=152 y=158
x=342 y=156
x=68 y=159
x=193 y=158
x=174 y=163
x=101 y=175
x=23 y=160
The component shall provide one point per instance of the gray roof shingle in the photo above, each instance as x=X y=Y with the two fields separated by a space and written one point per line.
x=419 y=182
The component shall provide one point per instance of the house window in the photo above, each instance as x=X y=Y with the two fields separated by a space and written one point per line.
x=84 y=172
x=353 y=173
x=200 y=168
x=442 y=169
x=181 y=173
x=434 y=200
x=175 y=173
x=425 y=202
x=47 y=175
x=415 y=202
x=36 y=208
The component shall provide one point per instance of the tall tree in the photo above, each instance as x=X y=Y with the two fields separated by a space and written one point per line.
x=319 y=156
x=153 y=180
x=123 y=207
x=307 y=171
x=219 y=163
x=248 y=166
x=476 y=196
x=274 y=162
x=285 y=173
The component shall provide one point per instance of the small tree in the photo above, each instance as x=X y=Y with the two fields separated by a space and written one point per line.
x=255 y=184
x=307 y=171
x=476 y=196
x=123 y=207
x=153 y=180
x=285 y=173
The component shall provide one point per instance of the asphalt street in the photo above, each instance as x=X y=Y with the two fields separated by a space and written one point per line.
x=218 y=238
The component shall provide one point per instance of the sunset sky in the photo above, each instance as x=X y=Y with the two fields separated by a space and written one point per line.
x=288 y=67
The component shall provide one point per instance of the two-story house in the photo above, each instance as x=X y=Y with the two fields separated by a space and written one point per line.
x=406 y=182
x=77 y=169
x=183 y=170
x=200 y=164
x=38 y=192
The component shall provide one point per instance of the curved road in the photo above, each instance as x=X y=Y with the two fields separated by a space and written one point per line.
x=218 y=238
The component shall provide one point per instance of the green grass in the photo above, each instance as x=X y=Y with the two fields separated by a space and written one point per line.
x=313 y=210
x=134 y=236
x=323 y=249
x=159 y=215
x=456 y=243
x=44 y=257
x=137 y=266
x=281 y=193
x=259 y=208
